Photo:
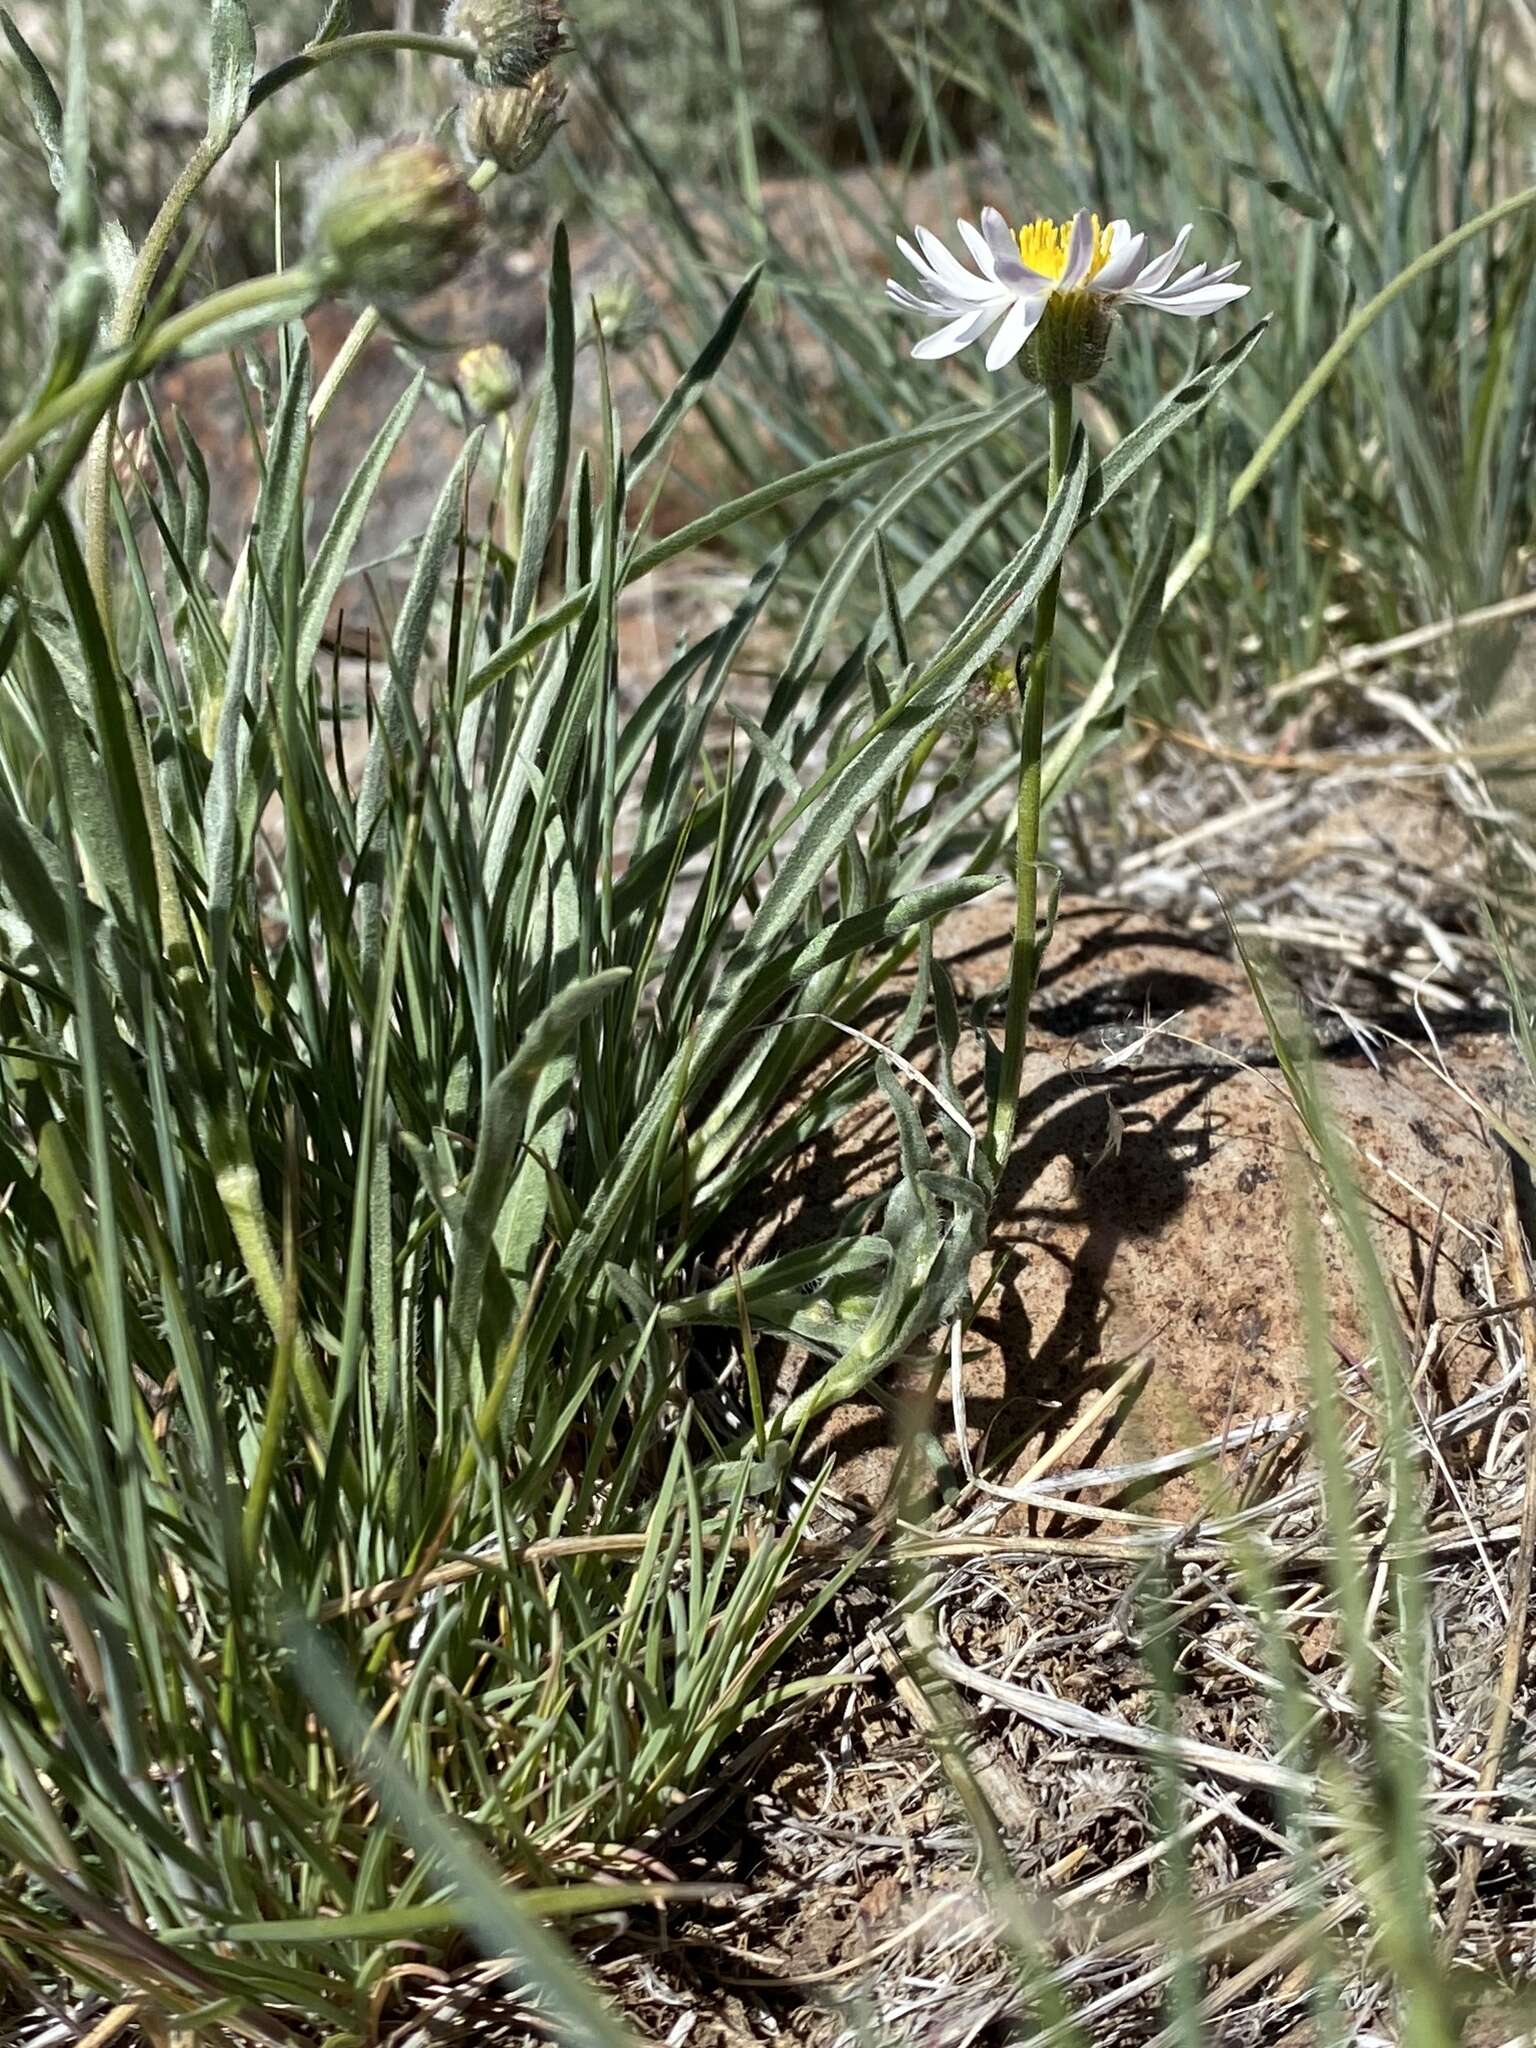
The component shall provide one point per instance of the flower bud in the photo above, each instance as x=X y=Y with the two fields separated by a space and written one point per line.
x=513 y=125
x=393 y=223
x=617 y=309
x=514 y=39
x=489 y=379
x=1071 y=341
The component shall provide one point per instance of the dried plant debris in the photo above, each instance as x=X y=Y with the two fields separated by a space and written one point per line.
x=1014 y=1678
x=1366 y=870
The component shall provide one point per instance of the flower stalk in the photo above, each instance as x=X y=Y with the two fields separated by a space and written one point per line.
x=365 y=42
x=124 y=324
x=1024 y=960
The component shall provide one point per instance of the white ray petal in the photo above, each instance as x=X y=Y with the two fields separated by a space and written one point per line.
x=1158 y=272
x=1001 y=239
x=1008 y=266
x=1125 y=252
x=930 y=280
x=977 y=243
x=919 y=263
x=1023 y=318
x=958 y=335
x=1187 y=282
x=911 y=303
x=951 y=273
x=1195 y=305
x=1079 y=252
x=1200 y=277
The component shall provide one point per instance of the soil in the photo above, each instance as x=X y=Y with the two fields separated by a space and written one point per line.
x=1148 y=1214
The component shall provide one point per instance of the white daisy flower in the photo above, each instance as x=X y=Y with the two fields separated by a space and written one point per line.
x=1076 y=270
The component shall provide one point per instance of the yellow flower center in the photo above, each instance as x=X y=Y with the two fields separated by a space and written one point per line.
x=1043 y=246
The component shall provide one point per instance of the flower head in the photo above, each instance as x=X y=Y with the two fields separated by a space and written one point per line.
x=489 y=379
x=393 y=223
x=617 y=310
x=1054 y=287
x=515 y=39
x=512 y=125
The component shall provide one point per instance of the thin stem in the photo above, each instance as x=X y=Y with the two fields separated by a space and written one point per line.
x=304 y=61
x=1024 y=964
x=124 y=324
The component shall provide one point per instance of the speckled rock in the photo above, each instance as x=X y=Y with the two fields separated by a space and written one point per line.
x=1147 y=1210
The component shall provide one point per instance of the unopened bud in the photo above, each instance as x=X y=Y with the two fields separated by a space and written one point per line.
x=1071 y=341
x=513 y=125
x=615 y=310
x=394 y=223
x=514 y=39
x=489 y=379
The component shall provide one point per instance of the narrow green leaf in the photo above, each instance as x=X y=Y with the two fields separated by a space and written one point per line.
x=552 y=440
x=689 y=389
x=42 y=101
x=499 y=1150
x=334 y=555
x=113 y=708
x=394 y=737
x=1176 y=410
x=231 y=68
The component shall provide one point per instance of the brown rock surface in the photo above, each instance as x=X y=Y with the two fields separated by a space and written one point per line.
x=1147 y=1208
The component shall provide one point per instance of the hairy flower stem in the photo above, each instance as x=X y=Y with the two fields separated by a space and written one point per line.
x=1024 y=965
x=124 y=324
x=366 y=41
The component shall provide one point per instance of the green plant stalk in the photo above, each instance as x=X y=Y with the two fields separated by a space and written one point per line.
x=365 y=42
x=100 y=386
x=488 y=1419
x=124 y=324
x=1024 y=963
x=274 y=1421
